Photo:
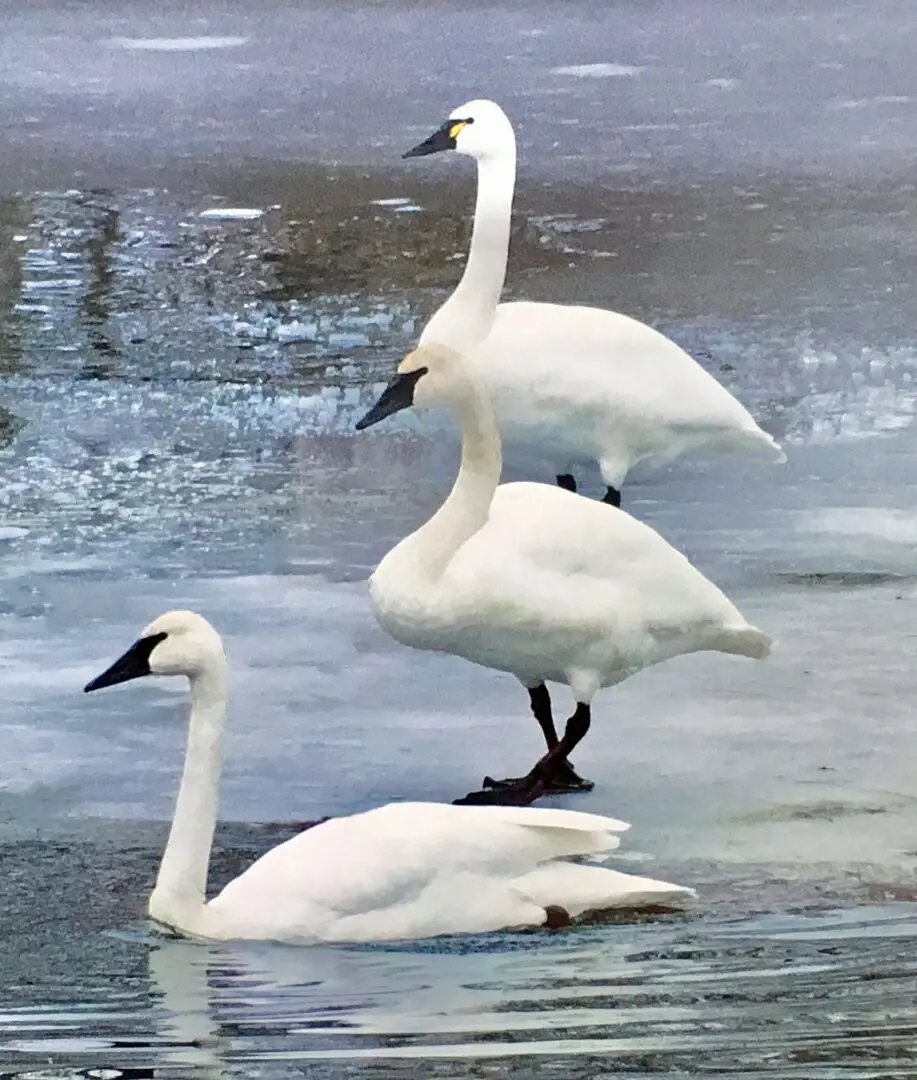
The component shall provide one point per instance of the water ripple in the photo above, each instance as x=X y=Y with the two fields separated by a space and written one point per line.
x=781 y=996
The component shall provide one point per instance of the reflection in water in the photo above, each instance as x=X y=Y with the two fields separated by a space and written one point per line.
x=369 y=250
x=778 y=996
x=13 y=216
x=100 y=289
x=177 y=298
x=179 y=980
x=771 y=980
x=10 y=426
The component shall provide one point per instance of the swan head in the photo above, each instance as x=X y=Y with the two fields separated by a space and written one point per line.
x=433 y=375
x=177 y=643
x=479 y=128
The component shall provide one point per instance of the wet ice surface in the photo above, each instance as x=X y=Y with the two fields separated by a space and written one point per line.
x=747 y=748
x=179 y=397
x=606 y=89
x=180 y=371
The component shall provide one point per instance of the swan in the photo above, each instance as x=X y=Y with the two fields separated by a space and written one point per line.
x=536 y=580
x=405 y=870
x=590 y=384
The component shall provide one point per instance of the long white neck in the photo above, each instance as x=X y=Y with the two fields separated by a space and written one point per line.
x=425 y=554
x=178 y=898
x=467 y=316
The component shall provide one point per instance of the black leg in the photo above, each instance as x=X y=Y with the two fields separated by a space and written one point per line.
x=563 y=777
x=577 y=727
x=540 y=701
x=568 y=482
x=550 y=773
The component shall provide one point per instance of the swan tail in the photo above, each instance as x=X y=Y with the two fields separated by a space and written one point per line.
x=565 y=833
x=744 y=640
x=579 y=889
x=767 y=446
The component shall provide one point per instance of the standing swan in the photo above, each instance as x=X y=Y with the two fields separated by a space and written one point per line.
x=405 y=870
x=591 y=384
x=537 y=581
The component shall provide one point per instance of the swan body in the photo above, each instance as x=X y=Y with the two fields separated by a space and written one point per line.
x=551 y=588
x=535 y=580
x=415 y=870
x=405 y=870
x=592 y=384
x=627 y=393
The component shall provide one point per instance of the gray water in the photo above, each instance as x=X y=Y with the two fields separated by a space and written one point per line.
x=177 y=398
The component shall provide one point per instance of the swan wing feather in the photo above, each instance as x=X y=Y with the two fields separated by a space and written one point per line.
x=597 y=384
x=393 y=855
x=604 y=360
x=553 y=558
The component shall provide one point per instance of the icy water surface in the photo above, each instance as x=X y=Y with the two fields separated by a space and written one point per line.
x=210 y=258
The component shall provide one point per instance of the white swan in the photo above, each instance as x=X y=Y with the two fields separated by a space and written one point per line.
x=538 y=581
x=405 y=870
x=586 y=383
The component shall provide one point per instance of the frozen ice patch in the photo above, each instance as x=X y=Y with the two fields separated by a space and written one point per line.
x=650 y=127
x=399 y=205
x=599 y=71
x=892 y=526
x=188 y=44
x=722 y=84
x=296 y=330
x=231 y=213
x=863 y=103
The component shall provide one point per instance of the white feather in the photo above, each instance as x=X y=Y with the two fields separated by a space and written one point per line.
x=412 y=870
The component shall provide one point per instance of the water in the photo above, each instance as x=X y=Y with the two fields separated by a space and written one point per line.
x=789 y=995
x=210 y=257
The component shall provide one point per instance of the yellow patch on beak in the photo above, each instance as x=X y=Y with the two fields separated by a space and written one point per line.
x=456 y=128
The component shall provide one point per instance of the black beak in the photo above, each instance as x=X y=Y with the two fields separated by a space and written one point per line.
x=438 y=141
x=398 y=395
x=134 y=664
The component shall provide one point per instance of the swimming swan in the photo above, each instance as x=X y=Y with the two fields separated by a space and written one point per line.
x=405 y=870
x=589 y=384
x=537 y=581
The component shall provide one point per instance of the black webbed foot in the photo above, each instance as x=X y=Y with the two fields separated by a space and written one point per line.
x=525 y=792
x=562 y=777
x=544 y=779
